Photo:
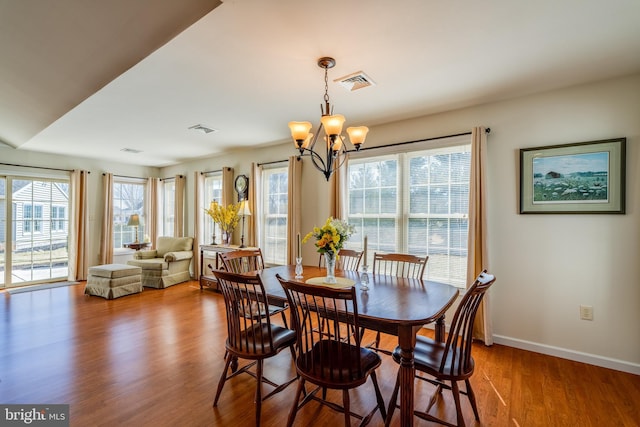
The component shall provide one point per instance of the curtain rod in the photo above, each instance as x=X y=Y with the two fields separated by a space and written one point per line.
x=38 y=167
x=214 y=171
x=487 y=130
x=125 y=176
x=275 y=161
x=171 y=177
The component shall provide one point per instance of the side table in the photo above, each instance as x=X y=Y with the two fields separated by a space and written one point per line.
x=137 y=246
x=210 y=280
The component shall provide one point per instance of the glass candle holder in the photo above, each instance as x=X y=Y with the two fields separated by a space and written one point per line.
x=299 y=268
x=364 y=278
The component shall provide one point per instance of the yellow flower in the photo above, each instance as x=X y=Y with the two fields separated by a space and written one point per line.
x=331 y=236
x=226 y=217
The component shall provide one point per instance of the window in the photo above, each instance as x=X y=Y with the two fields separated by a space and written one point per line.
x=275 y=199
x=32 y=217
x=168 y=206
x=415 y=202
x=37 y=233
x=128 y=198
x=58 y=218
x=212 y=191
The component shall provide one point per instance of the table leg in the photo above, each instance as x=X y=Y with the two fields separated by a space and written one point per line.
x=407 y=342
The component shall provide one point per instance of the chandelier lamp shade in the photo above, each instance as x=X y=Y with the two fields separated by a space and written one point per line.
x=331 y=154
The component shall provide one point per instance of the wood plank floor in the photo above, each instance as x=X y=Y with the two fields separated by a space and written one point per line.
x=154 y=359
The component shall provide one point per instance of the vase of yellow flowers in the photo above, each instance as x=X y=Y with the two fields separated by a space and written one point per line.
x=329 y=240
x=226 y=217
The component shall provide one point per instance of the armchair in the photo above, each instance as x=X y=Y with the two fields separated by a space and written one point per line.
x=166 y=265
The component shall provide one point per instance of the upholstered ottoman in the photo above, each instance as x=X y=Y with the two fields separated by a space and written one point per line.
x=113 y=280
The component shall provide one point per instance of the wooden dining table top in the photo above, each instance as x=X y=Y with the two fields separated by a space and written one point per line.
x=392 y=300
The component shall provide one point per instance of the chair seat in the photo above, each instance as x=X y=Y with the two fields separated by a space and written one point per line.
x=282 y=338
x=428 y=356
x=343 y=374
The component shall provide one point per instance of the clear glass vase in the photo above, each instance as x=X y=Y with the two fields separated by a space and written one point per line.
x=330 y=264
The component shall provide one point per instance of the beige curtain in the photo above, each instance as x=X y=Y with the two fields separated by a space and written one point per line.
x=338 y=190
x=294 y=207
x=151 y=209
x=106 y=244
x=255 y=193
x=477 y=246
x=78 y=226
x=227 y=187
x=198 y=221
x=178 y=213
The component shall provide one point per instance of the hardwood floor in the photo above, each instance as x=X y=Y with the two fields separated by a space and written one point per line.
x=154 y=359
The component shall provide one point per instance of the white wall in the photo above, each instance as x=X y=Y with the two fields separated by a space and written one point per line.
x=546 y=265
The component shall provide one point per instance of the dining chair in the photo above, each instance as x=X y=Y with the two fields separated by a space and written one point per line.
x=450 y=360
x=329 y=361
x=348 y=259
x=244 y=261
x=250 y=333
x=398 y=265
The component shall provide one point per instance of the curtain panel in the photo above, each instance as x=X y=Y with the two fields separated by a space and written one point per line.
x=198 y=221
x=294 y=207
x=152 y=208
x=106 y=245
x=178 y=209
x=78 y=226
x=477 y=259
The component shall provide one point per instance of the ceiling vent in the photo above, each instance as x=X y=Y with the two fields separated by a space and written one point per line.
x=131 y=150
x=355 y=81
x=204 y=129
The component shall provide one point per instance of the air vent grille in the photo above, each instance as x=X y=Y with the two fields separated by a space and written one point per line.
x=355 y=81
x=204 y=129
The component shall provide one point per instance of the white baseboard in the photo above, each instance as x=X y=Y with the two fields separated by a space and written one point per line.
x=578 y=356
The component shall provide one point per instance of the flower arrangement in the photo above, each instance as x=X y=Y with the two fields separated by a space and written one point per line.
x=331 y=236
x=226 y=217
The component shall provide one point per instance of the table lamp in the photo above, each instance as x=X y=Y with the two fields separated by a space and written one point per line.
x=243 y=212
x=134 y=221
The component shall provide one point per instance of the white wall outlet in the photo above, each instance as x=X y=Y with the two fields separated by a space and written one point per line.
x=586 y=312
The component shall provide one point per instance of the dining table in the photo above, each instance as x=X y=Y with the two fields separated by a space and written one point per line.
x=393 y=305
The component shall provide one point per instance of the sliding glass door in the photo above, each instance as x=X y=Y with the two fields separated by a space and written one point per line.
x=34 y=220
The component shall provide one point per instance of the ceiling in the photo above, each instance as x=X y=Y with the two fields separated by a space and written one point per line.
x=90 y=79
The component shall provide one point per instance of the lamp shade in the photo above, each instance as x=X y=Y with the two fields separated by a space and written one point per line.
x=134 y=220
x=333 y=124
x=299 y=131
x=357 y=135
x=244 y=209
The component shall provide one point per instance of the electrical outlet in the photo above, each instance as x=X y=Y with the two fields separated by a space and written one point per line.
x=586 y=312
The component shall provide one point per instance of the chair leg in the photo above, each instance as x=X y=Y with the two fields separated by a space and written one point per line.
x=284 y=319
x=223 y=378
x=472 y=399
x=393 y=402
x=294 y=409
x=381 y=406
x=347 y=409
x=259 y=391
x=456 y=398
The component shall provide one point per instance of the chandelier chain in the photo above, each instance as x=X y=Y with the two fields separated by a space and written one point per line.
x=326 y=86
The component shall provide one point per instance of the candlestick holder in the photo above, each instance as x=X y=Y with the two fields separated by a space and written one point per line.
x=299 y=268
x=364 y=278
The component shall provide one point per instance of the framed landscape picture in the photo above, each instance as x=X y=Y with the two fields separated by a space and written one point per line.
x=584 y=177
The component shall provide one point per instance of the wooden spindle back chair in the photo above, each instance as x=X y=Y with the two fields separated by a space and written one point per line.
x=333 y=358
x=250 y=333
x=451 y=360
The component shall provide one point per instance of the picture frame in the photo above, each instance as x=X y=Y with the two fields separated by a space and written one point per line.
x=578 y=178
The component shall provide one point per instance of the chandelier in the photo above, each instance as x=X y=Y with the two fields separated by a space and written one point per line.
x=334 y=143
